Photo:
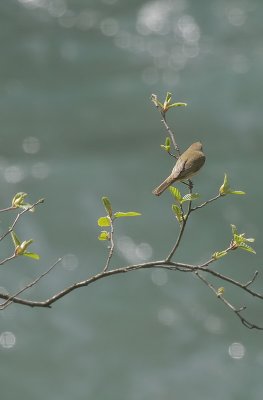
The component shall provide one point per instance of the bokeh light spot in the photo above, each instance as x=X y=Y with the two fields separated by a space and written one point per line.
x=167 y=316
x=191 y=51
x=14 y=174
x=236 y=351
x=57 y=8
x=189 y=28
x=70 y=262
x=86 y=20
x=159 y=277
x=127 y=248
x=236 y=16
x=31 y=145
x=153 y=18
x=109 y=26
x=68 y=19
x=31 y=3
x=7 y=340
x=144 y=251
x=123 y=40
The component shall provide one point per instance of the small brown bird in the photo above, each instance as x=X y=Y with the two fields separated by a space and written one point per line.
x=186 y=166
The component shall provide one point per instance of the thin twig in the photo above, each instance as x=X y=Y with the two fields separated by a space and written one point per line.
x=163 y=120
x=203 y=268
x=238 y=311
x=154 y=264
x=19 y=215
x=170 y=132
x=8 y=209
x=8 y=259
x=48 y=302
x=10 y=299
x=179 y=238
x=232 y=281
x=251 y=280
x=183 y=224
x=111 y=247
x=206 y=202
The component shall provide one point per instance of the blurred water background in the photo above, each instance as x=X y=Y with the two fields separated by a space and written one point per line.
x=76 y=124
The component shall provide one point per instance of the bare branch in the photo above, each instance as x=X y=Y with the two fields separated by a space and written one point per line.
x=232 y=281
x=8 y=209
x=111 y=247
x=163 y=264
x=206 y=202
x=8 y=259
x=11 y=298
x=251 y=280
x=170 y=132
x=182 y=227
x=48 y=302
x=238 y=311
x=179 y=238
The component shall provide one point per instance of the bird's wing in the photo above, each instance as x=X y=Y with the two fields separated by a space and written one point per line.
x=179 y=167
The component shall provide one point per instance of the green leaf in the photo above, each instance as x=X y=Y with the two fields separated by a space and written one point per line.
x=24 y=245
x=190 y=197
x=167 y=103
x=120 y=214
x=167 y=141
x=18 y=199
x=104 y=221
x=236 y=192
x=244 y=246
x=15 y=239
x=166 y=148
x=250 y=240
x=167 y=100
x=107 y=205
x=177 y=105
x=234 y=229
x=178 y=212
x=219 y=254
x=240 y=241
x=35 y=256
x=167 y=145
x=21 y=248
x=225 y=188
x=176 y=193
x=104 y=235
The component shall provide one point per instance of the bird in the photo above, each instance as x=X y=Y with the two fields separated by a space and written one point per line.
x=187 y=165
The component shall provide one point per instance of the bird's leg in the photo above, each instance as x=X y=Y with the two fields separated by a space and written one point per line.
x=173 y=155
x=189 y=184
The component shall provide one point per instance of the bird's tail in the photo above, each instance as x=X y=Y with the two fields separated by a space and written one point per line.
x=163 y=186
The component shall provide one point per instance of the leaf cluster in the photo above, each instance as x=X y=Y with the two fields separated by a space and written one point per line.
x=107 y=221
